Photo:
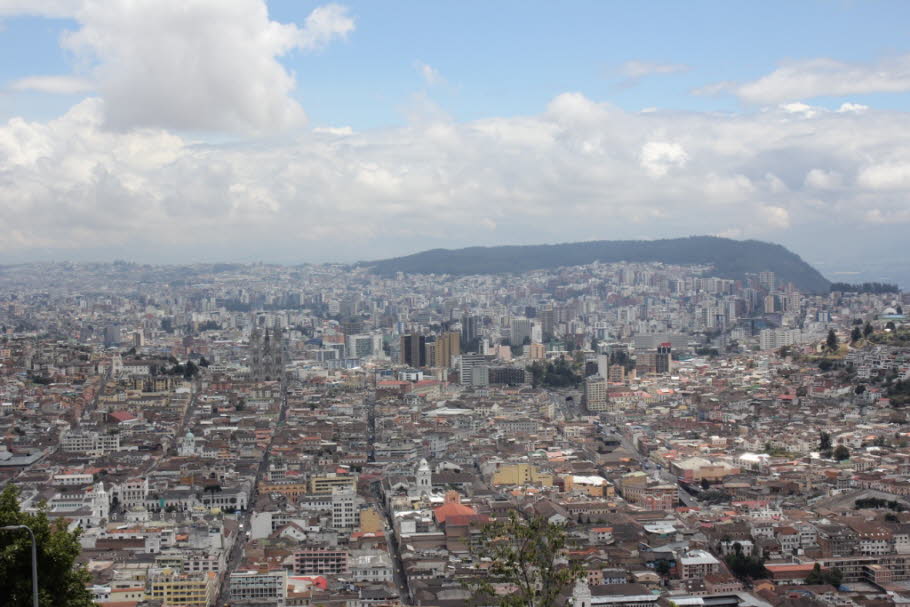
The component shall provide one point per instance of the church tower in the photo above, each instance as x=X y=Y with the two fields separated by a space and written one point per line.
x=424 y=478
x=581 y=593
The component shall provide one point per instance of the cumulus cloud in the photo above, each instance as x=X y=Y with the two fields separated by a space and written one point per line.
x=59 y=85
x=658 y=157
x=199 y=65
x=888 y=175
x=820 y=77
x=73 y=183
x=775 y=217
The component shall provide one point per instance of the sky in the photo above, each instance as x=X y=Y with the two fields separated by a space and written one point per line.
x=293 y=131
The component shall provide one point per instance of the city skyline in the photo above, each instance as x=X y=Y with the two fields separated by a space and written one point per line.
x=344 y=132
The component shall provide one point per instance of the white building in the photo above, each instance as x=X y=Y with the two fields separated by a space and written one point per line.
x=266 y=586
x=90 y=443
x=696 y=564
x=371 y=566
x=345 y=513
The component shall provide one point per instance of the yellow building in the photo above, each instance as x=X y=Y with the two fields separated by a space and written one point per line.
x=595 y=486
x=290 y=489
x=183 y=590
x=325 y=483
x=447 y=348
x=521 y=474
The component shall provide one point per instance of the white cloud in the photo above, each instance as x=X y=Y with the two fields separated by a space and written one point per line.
x=886 y=176
x=716 y=88
x=730 y=233
x=336 y=130
x=72 y=183
x=198 y=65
x=800 y=108
x=58 y=85
x=639 y=69
x=775 y=217
x=820 y=77
x=44 y=8
x=821 y=179
x=853 y=107
x=658 y=157
x=323 y=25
x=429 y=74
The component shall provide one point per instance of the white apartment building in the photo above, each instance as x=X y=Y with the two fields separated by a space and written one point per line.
x=89 y=443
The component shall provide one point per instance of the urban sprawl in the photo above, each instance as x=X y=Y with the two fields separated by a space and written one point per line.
x=319 y=435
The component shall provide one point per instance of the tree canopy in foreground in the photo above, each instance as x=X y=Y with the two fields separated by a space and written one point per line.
x=60 y=582
x=527 y=567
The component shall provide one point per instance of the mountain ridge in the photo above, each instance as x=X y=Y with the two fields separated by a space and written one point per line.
x=731 y=259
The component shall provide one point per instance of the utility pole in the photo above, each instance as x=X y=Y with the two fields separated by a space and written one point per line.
x=34 y=559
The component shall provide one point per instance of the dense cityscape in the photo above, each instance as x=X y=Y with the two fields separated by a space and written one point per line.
x=323 y=435
x=351 y=303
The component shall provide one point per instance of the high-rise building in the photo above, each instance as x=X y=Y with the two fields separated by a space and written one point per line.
x=448 y=347
x=596 y=393
x=344 y=508
x=413 y=350
x=617 y=374
x=470 y=332
x=770 y=304
x=547 y=323
x=471 y=370
x=603 y=365
x=520 y=331
x=662 y=360
x=111 y=336
x=359 y=346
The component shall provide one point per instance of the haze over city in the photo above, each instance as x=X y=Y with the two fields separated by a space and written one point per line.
x=307 y=132
x=454 y=304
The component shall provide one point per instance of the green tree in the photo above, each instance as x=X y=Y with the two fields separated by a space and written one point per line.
x=526 y=553
x=60 y=582
x=190 y=370
x=841 y=453
x=855 y=335
x=824 y=442
x=868 y=330
x=831 y=341
x=745 y=567
x=820 y=576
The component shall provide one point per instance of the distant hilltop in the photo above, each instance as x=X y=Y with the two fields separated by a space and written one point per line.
x=731 y=258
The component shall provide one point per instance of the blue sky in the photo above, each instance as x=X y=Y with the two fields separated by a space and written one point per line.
x=168 y=130
x=512 y=57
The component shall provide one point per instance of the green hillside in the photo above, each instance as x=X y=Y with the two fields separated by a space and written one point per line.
x=730 y=258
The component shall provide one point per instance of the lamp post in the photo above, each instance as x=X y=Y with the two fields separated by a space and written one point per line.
x=34 y=559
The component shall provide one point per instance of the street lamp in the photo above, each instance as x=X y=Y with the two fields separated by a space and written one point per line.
x=34 y=559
